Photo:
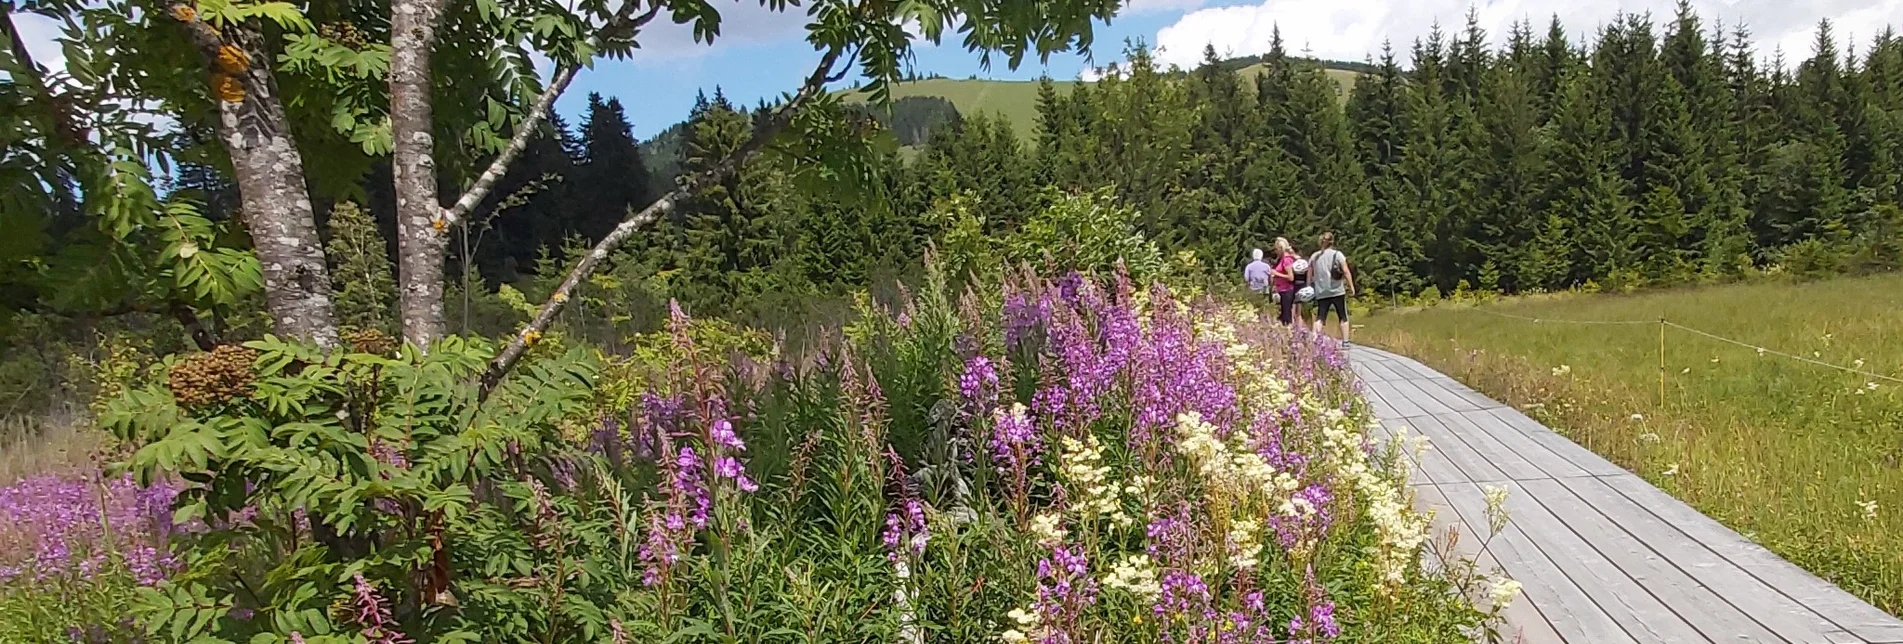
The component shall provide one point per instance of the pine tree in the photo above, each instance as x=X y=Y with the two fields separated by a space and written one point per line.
x=1556 y=59
x=1514 y=181
x=1587 y=193
x=360 y=266
x=613 y=177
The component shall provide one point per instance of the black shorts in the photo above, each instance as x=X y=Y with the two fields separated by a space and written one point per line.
x=1339 y=303
x=1287 y=300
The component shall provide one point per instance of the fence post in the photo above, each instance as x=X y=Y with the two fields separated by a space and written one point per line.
x=1661 y=363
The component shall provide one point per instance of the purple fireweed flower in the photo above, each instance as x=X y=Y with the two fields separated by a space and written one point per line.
x=1014 y=440
x=905 y=531
x=63 y=526
x=724 y=436
x=378 y=626
x=1065 y=590
x=729 y=467
x=1312 y=519
x=687 y=488
x=978 y=384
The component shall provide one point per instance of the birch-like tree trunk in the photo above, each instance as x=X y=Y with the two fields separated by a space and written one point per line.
x=270 y=175
x=422 y=226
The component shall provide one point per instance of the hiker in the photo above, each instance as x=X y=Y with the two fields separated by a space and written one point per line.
x=1283 y=278
x=1334 y=281
x=1256 y=274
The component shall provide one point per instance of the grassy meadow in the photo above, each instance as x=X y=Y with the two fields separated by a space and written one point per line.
x=1806 y=460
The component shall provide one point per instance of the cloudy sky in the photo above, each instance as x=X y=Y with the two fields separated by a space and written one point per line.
x=761 y=53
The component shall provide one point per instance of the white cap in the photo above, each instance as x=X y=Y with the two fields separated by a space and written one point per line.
x=1256 y=254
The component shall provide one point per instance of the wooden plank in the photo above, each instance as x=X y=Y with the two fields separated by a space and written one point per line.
x=1414 y=369
x=1713 y=617
x=1763 y=603
x=1453 y=401
x=1539 y=455
x=1832 y=603
x=1523 y=621
x=1381 y=371
x=1593 y=464
x=1498 y=454
x=1428 y=402
x=1398 y=404
x=1455 y=387
x=1432 y=464
x=1561 y=602
x=1444 y=440
x=1642 y=615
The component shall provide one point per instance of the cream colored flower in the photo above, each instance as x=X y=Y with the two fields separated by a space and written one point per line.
x=1502 y=592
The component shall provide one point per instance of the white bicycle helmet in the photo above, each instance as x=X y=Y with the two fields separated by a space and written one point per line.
x=1307 y=294
x=1300 y=266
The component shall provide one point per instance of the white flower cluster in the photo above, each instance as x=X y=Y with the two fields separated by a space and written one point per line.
x=1135 y=575
x=1234 y=469
x=1089 y=479
x=1245 y=543
x=1027 y=622
x=1502 y=592
x=1049 y=529
x=1402 y=531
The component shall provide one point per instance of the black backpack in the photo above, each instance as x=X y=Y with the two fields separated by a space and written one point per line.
x=1334 y=269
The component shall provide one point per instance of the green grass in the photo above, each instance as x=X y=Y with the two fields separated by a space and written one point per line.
x=1016 y=101
x=1782 y=451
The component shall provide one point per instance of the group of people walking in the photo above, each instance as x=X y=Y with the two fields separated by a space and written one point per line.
x=1294 y=281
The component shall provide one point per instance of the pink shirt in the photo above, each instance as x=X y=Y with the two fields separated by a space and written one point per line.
x=1284 y=265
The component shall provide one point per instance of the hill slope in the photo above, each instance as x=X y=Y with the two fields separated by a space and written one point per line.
x=1016 y=101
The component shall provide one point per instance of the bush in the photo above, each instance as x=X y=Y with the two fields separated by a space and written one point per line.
x=1065 y=459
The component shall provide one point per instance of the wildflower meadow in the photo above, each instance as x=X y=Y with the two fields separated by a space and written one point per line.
x=1052 y=460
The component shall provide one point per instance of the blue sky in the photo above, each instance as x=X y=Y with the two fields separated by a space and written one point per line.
x=761 y=53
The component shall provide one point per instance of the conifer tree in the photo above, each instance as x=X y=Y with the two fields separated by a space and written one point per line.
x=365 y=283
x=613 y=177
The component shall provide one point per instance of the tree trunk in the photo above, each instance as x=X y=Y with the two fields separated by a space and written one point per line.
x=422 y=231
x=270 y=174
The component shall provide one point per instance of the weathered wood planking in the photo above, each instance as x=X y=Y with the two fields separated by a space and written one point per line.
x=1642 y=615
x=1524 y=622
x=1565 y=606
x=1762 y=602
x=1432 y=464
x=1603 y=556
x=1714 y=618
x=1444 y=440
x=1832 y=603
x=1584 y=458
x=1509 y=462
x=1541 y=456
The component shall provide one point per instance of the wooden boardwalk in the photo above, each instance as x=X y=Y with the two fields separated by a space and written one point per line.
x=1603 y=556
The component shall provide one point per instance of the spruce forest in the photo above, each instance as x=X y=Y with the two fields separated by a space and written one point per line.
x=1649 y=153
x=362 y=342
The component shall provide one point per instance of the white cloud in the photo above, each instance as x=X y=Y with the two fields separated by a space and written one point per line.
x=1134 y=7
x=38 y=33
x=1354 y=29
x=741 y=23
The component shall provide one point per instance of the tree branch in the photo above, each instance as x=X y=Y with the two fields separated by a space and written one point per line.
x=545 y=316
x=622 y=25
x=523 y=132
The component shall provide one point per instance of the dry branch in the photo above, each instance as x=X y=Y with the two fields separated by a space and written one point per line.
x=545 y=316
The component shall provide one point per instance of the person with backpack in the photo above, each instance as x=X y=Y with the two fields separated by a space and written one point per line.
x=1333 y=281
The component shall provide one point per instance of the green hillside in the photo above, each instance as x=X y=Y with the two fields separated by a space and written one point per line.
x=1016 y=101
